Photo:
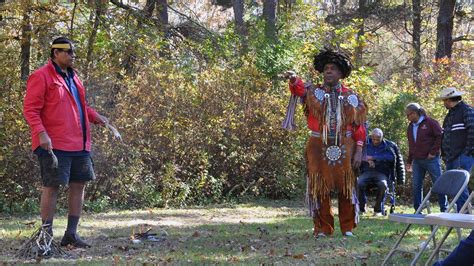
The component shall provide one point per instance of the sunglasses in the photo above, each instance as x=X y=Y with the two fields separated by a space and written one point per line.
x=68 y=51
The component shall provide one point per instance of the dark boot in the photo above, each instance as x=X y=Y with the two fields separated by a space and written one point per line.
x=74 y=240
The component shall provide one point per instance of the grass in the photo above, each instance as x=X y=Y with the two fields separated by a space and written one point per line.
x=268 y=232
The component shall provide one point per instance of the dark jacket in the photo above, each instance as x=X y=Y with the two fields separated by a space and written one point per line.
x=394 y=167
x=458 y=133
x=428 y=140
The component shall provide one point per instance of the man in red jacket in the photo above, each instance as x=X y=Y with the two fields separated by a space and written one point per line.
x=56 y=110
x=336 y=117
x=424 y=146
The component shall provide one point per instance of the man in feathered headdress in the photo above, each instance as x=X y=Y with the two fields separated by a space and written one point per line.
x=336 y=117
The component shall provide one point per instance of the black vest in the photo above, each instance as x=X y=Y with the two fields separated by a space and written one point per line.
x=454 y=132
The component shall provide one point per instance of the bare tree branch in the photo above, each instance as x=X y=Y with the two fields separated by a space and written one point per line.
x=71 y=29
x=137 y=12
x=191 y=20
x=463 y=38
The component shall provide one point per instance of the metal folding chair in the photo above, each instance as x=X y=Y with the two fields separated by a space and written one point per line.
x=451 y=220
x=451 y=183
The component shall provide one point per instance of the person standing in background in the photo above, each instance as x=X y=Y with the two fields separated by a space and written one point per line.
x=458 y=135
x=424 y=144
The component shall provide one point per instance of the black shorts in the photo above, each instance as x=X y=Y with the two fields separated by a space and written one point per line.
x=70 y=169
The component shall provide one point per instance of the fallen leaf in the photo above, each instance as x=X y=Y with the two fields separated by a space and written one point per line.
x=30 y=224
x=368 y=241
x=123 y=248
x=196 y=234
x=116 y=260
x=272 y=252
x=298 y=256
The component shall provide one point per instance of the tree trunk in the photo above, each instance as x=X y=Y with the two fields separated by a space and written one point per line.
x=71 y=29
x=25 y=45
x=162 y=6
x=362 y=14
x=149 y=8
x=269 y=13
x=1 y=3
x=416 y=43
x=92 y=37
x=238 y=6
x=444 y=29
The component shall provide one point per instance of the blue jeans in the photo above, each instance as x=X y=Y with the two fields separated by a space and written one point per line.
x=420 y=167
x=461 y=162
x=378 y=179
x=462 y=254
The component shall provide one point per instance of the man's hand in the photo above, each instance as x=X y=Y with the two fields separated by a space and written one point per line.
x=102 y=120
x=45 y=141
x=430 y=156
x=409 y=167
x=357 y=158
x=371 y=164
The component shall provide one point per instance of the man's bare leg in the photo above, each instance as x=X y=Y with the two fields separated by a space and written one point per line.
x=76 y=199
x=49 y=197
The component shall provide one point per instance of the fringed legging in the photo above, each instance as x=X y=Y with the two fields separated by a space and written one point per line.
x=324 y=178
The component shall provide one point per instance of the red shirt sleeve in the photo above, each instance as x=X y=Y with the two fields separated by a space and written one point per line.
x=297 y=87
x=359 y=134
x=92 y=115
x=34 y=102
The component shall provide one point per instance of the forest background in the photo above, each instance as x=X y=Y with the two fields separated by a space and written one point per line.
x=194 y=87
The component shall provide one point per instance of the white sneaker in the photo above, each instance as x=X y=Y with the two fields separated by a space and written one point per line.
x=349 y=233
x=378 y=214
x=321 y=235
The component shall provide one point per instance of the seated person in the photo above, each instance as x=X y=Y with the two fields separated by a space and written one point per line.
x=381 y=165
x=461 y=255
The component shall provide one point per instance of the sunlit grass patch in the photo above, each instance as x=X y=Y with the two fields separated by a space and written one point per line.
x=268 y=232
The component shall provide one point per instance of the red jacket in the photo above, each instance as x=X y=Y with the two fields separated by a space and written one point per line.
x=428 y=139
x=50 y=106
x=358 y=132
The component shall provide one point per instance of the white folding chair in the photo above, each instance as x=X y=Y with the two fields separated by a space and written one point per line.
x=451 y=183
x=451 y=220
